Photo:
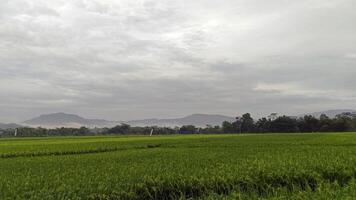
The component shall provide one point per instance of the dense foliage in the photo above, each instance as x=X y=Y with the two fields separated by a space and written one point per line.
x=264 y=166
x=284 y=124
x=245 y=124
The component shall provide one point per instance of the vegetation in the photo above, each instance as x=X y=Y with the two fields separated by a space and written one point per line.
x=284 y=124
x=245 y=124
x=254 y=166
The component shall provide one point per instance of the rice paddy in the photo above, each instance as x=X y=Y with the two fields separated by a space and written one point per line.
x=252 y=166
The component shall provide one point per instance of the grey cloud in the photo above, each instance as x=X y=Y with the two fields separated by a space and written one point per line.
x=136 y=59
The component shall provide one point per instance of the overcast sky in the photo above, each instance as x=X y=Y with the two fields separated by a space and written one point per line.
x=133 y=59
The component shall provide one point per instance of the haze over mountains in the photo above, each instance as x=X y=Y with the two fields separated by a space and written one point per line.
x=55 y=120
x=200 y=120
x=67 y=120
x=330 y=113
x=9 y=126
x=70 y=120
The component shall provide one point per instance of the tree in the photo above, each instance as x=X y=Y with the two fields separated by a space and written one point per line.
x=353 y=123
x=210 y=129
x=188 y=129
x=263 y=125
x=237 y=125
x=284 y=124
x=83 y=131
x=247 y=123
x=342 y=123
x=227 y=127
x=119 y=129
x=325 y=123
x=308 y=124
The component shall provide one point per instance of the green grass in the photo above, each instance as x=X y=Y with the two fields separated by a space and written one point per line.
x=271 y=166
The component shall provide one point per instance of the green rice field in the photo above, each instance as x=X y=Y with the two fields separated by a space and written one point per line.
x=265 y=166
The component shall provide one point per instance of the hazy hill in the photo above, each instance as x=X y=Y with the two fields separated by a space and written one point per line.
x=9 y=126
x=70 y=120
x=67 y=120
x=200 y=120
x=330 y=113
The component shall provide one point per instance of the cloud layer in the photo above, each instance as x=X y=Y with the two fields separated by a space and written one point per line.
x=165 y=58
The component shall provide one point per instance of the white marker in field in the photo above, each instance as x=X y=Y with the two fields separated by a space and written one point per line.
x=15 y=132
x=151 y=132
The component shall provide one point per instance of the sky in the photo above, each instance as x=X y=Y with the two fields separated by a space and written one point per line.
x=127 y=59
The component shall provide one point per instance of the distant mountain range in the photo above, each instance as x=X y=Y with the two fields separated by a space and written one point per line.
x=67 y=120
x=330 y=113
x=70 y=120
x=200 y=120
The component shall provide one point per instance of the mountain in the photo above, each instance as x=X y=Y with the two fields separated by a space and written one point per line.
x=330 y=113
x=200 y=120
x=56 y=120
x=9 y=126
x=67 y=120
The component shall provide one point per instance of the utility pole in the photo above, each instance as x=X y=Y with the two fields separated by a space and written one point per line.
x=151 y=132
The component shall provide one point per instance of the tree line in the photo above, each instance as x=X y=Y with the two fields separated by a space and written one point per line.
x=285 y=124
x=244 y=124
